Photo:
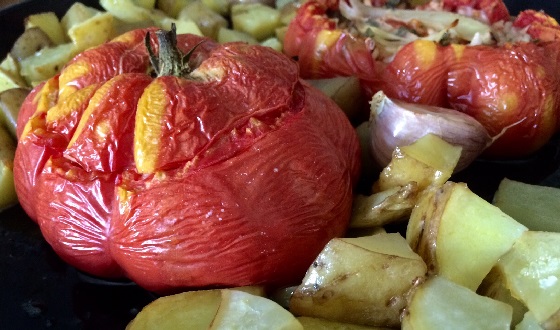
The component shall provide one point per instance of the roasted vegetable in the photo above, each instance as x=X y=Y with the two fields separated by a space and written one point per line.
x=439 y=303
x=459 y=235
x=31 y=41
x=362 y=280
x=218 y=309
x=225 y=170
x=503 y=73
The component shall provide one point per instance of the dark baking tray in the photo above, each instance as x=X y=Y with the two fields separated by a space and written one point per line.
x=39 y=291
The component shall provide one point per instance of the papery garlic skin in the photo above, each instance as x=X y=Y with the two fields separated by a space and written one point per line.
x=395 y=123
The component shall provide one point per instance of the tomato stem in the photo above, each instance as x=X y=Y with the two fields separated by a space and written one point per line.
x=169 y=61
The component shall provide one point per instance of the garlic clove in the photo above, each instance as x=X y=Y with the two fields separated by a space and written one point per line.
x=395 y=123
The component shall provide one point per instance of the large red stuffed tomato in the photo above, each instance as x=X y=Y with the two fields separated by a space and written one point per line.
x=505 y=73
x=235 y=173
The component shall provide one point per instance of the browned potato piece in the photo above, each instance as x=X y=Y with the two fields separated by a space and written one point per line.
x=49 y=23
x=388 y=206
x=30 y=42
x=429 y=160
x=280 y=32
x=363 y=280
x=127 y=10
x=460 y=235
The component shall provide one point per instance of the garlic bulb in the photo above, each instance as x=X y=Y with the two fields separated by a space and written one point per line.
x=395 y=123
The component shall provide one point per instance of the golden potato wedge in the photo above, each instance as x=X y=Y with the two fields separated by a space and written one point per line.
x=194 y=310
x=280 y=32
x=429 y=160
x=11 y=67
x=230 y=35
x=46 y=63
x=241 y=310
x=442 y=304
x=205 y=18
x=126 y=10
x=532 y=271
x=257 y=20
x=76 y=14
x=495 y=286
x=528 y=323
x=363 y=280
x=92 y=32
x=536 y=207
x=222 y=7
x=385 y=207
x=213 y=309
x=49 y=23
x=460 y=235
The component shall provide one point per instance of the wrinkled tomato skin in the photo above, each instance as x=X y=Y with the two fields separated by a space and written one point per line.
x=203 y=223
x=250 y=173
x=39 y=146
x=511 y=89
x=417 y=74
x=75 y=217
x=94 y=148
x=515 y=88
